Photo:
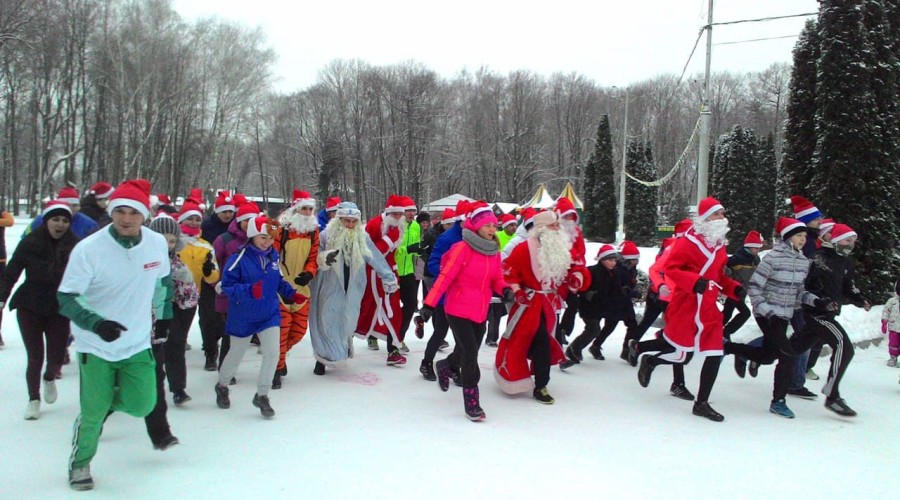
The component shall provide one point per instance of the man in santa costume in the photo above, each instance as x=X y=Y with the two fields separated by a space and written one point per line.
x=696 y=267
x=539 y=270
x=380 y=315
x=297 y=243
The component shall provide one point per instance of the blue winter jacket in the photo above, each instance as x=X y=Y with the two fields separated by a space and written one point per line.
x=246 y=315
x=82 y=225
x=323 y=219
x=446 y=240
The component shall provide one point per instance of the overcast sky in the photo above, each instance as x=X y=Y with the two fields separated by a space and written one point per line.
x=611 y=42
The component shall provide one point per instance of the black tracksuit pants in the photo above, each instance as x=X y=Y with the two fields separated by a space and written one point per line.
x=212 y=324
x=735 y=324
x=539 y=352
x=441 y=326
x=35 y=329
x=409 y=301
x=157 y=423
x=464 y=359
x=176 y=367
x=826 y=329
x=776 y=346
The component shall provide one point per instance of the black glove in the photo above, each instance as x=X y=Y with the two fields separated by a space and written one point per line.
x=425 y=312
x=109 y=330
x=626 y=291
x=331 y=258
x=161 y=329
x=303 y=278
x=826 y=305
x=509 y=295
x=208 y=265
x=414 y=248
x=740 y=292
x=701 y=285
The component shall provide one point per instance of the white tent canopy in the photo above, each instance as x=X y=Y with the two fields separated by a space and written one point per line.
x=445 y=202
x=541 y=199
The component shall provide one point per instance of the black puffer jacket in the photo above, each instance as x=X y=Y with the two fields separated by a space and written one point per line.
x=428 y=240
x=831 y=277
x=44 y=261
x=92 y=209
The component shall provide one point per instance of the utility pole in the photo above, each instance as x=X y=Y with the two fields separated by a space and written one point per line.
x=705 y=116
x=622 y=176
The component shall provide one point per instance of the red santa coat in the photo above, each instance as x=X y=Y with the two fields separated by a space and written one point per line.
x=380 y=314
x=694 y=320
x=513 y=370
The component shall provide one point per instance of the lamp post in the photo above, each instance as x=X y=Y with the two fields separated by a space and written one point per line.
x=621 y=222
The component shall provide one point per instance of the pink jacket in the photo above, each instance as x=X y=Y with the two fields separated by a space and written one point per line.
x=468 y=279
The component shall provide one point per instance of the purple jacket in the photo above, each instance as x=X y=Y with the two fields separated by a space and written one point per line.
x=226 y=245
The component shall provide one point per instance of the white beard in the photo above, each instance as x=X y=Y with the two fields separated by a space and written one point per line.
x=351 y=242
x=298 y=223
x=387 y=222
x=571 y=229
x=554 y=254
x=713 y=231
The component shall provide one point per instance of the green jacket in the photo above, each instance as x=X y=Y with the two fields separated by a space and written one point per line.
x=408 y=250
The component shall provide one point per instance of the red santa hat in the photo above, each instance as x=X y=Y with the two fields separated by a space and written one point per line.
x=448 y=216
x=54 y=208
x=841 y=232
x=258 y=225
x=409 y=204
x=826 y=226
x=394 y=205
x=607 y=252
x=463 y=207
x=787 y=227
x=507 y=219
x=682 y=227
x=163 y=199
x=247 y=211
x=564 y=207
x=197 y=196
x=101 y=190
x=481 y=215
x=69 y=195
x=477 y=208
x=302 y=199
x=753 y=240
x=630 y=251
x=528 y=215
x=804 y=210
x=188 y=209
x=224 y=202
x=707 y=207
x=332 y=203
x=132 y=194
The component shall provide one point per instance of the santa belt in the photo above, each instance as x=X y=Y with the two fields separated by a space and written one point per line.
x=514 y=320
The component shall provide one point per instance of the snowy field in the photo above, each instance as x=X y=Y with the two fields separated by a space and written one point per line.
x=374 y=431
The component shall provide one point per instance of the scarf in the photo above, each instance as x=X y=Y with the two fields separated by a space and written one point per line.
x=479 y=244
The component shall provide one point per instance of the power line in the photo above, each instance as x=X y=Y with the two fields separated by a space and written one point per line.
x=757 y=39
x=762 y=19
x=686 y=63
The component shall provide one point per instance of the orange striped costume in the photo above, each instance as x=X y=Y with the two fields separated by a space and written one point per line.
x=298 y=253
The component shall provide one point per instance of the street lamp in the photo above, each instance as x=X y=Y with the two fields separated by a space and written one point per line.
x=621 y=222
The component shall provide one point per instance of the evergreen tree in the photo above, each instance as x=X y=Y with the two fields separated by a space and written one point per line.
x=600 y=210
x=735 y=177
x=764 y=188
x=640 y=200
x=800 y=130
x=850 y=181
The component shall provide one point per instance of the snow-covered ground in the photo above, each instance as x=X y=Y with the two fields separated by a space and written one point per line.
x=373 y=431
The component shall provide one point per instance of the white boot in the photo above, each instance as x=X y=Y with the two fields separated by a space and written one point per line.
x=33 y=410
x=50 y=391
x=892 y=362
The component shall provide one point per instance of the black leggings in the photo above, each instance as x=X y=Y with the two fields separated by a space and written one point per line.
x=176 y=367
x=212 y=326
x=157 y=422
x=464 y=359
x=35 y=329
x=441 y=326
x=733 y=325
x=496 y=312
x=776 y=346
x=567 y=323
x=409 y=301
x=652 y=309
x=539 y=352
x=708 y=374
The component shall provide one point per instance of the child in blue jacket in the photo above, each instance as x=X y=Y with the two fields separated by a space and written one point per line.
x=252 y=281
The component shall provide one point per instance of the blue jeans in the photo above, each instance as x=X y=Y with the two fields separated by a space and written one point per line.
x=798 y=375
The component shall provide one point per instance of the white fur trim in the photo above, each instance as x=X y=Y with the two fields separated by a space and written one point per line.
x=479 y=211
x=304 y=202
x=104 y=195
x=394 y=210
x=783 y=232
x=185 y=216
x=225 y=208
x=450 y=220
x=603 y=255
x=245 y=217
x=806 y=212
x=56 y=206
x=389 y=241
x=525 y=385
x=508 y=223
x=713 y=209
x=127 y=202
x=842 y=237
x=70 y=201
x=753 y=245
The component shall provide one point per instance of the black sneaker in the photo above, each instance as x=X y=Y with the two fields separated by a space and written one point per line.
x=420 y=327
x=233 y=381
x=753 y=369
x=165 y=443
x=210 y=364
x=180 y=397
x=567 y=363
x=574 y=356
x=254 y=340
x=740 y=366
x=276 y=381
x=543 y=396
x=222 y=399
x=319 y=369
x=645 y=371
x=704 y=410
x=443 y=345
x=457 y=379
x=80 y=479
x=803 y=392
x=632 y=352
x=427 y=371
x=491 y=343
x=681 y=392
x=596 y=352
x=262 y=402
x=840 y=407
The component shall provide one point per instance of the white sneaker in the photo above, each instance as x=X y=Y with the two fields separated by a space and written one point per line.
x=33 y=410
x=50 y=391
x=811 y=375
x=80 y=479
x=892 y=362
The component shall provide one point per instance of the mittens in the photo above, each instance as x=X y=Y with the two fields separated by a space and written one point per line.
x=257 y=290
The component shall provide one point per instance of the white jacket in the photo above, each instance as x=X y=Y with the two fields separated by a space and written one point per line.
x=890 y=316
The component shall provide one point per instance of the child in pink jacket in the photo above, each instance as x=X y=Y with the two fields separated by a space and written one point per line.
x=470 y=274
x=890 y=325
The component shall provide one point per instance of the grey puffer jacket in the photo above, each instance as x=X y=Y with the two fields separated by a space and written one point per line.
x=776 y=288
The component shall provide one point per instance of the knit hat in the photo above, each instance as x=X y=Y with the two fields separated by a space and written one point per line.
x=607 y=252
x=132 y=194
x=841 y=232
x=423 y=217
x=247 y=211
x=224 y=202
x=544 y=219
x=188 y=209
x=164 y=224
x=788 y=227
x=707 y=207
x=481 y=215
x=395 y=204
x=257 y=226
x=804 y=210
x=448 y=216
x=332 y=203
x=302 y=199
x=347 y=209
x=682 y=227
x=630 y=251
x=753 y=240
x=54 y=208
x=69 y=195
x=507 y=219
x=564 y=207
x=826 y=226
x=101 y=190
